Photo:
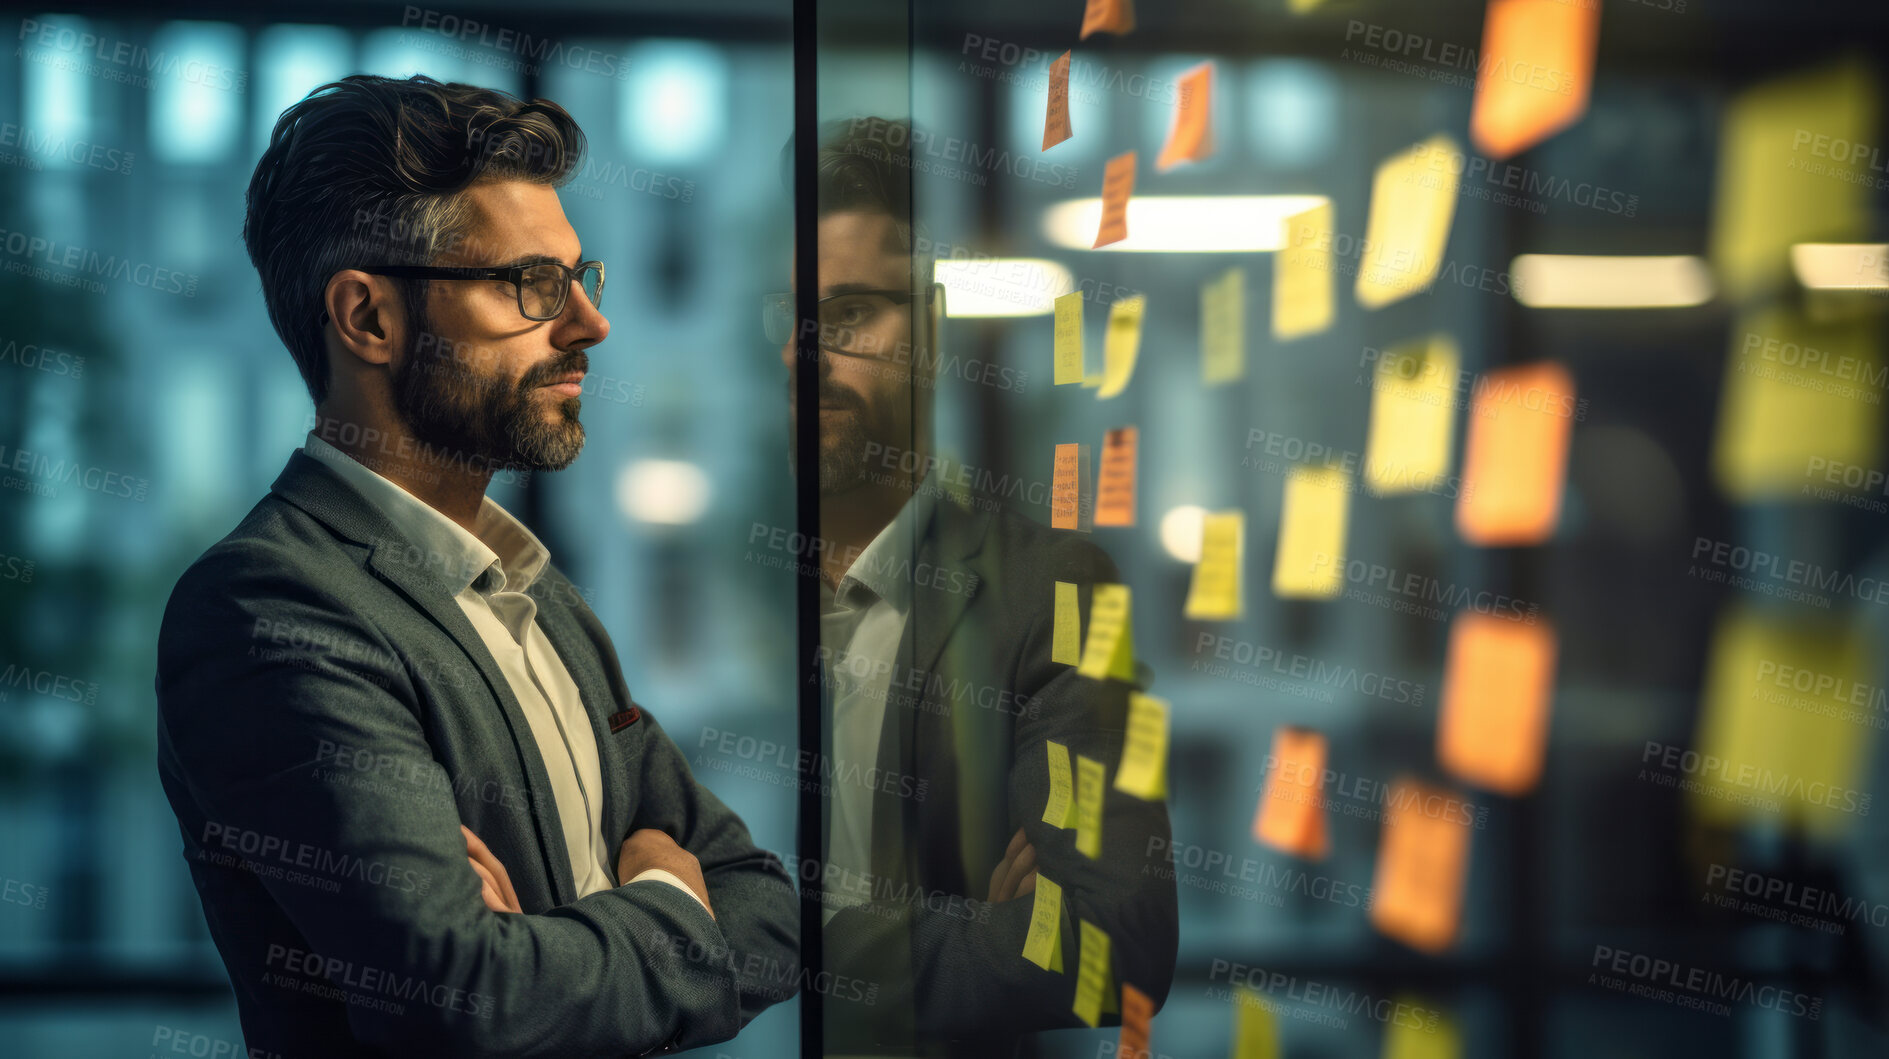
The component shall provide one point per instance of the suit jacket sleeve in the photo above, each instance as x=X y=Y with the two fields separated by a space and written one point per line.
x=605 y=975
x=968 y=976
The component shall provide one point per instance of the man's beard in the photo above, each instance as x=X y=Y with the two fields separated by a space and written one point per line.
x=842 y=462
x=450 y=406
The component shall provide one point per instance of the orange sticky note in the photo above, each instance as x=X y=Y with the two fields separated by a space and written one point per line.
x=1422 y=861
x=1292 y=814
x=1191 y=137
x=1108 y=16
x=1137 y=1012
x=1535 y=72
x=1065 y=491
x=1056 y=116
x=1118 y=182
x=1515 y=459
x=1497 y=689
x=1115 y=489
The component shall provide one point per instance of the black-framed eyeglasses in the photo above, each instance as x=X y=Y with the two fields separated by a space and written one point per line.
x=849 y=322
x=543 y=287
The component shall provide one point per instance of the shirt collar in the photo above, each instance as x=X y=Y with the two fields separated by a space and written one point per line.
x=498 y=542
x=886 y=567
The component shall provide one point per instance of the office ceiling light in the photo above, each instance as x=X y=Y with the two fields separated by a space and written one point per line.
x=665 y=492
x=1003 y=286
x=1180 y=531
x=1177 y=224
x=1841 y=266
x=1585 y=281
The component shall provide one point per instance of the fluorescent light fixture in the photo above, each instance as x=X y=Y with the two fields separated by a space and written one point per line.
x=1586 y=281
x=1003 y=286
x=1180 y=531
x=1841 y=266
x=1177 y=224
x=665 y=492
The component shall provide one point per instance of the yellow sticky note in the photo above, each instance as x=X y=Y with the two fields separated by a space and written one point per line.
x=1498 y=687
x=1110 y=648
x=1792 y=169
x=1255 y=1035
x=1122 y=345
x=1108 y=16
x=1060 y=811
x=1066 y=641
x=1089 y=781
x=1190 y=139
x=1223 y=328
x=1065 y=490
x=1115 y=484
x=1118 y=183
x=1093 y=979
x=1797 y=395
x=1413 y=417
x=1069 y=338
x=1216 y=593
x=1310 y=560
x=1534 y=72
x=1056 y=113
x=1412 y=205
x=1144 y=771
x=1425 y=1033
x=1422 y=862
x=1043 y=945
x=1787 y=719
x=1515 y=459
x=1304 y=294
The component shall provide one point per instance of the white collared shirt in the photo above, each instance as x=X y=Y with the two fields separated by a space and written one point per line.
x=489 y=571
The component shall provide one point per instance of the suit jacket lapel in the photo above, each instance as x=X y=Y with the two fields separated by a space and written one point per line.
x=318 y=491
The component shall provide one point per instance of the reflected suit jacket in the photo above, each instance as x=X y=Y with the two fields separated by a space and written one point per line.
x=973 y=702
x=328 y=717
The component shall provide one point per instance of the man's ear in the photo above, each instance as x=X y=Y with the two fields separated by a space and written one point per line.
x=362 y=312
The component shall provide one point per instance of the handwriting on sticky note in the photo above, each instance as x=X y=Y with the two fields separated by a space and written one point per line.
x=1110 y=648
x=1292 y=813
x=1092 y=973
x=1304 y=287
x=1190 y=139
x=1108 y=16
x=1422 y=862
x=1043 y=945
x=1065 y=492
x=1115 y=485
x=1413 y=201
x=1118 y=183
x=1069 y=338
x=1122 y=345
x=1223 y=328
x=1056 y=114
x=1144 y=769
x=1413 y=412
x=1060 y=811
x=1066 y=636
x=1216 y=592
x=1515 y=459
x=1497 y=688
x=1137 y=1019
x=1310 y=559
x=1089 y=783
x=1550 y=45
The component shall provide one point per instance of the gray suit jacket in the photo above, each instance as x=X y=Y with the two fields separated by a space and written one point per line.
x=328 y=717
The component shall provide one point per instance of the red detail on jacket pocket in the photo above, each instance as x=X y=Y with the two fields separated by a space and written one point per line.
x=620 y=721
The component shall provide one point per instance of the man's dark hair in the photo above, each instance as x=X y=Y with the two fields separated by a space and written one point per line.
x=865 y=164
x=370 y=170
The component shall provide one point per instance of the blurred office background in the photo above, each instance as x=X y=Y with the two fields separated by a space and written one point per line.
x=164 y=383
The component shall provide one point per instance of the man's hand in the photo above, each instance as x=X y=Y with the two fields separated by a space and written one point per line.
x=648 y=848
x=1015 y=875
x=496 y=885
